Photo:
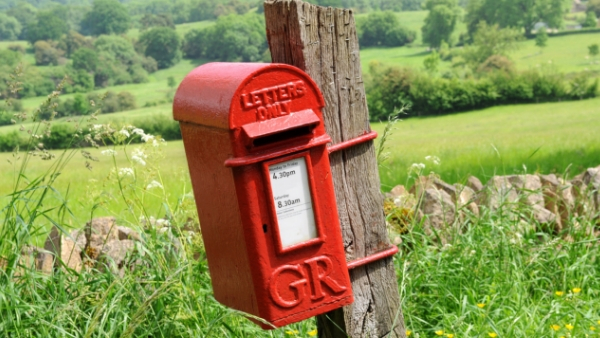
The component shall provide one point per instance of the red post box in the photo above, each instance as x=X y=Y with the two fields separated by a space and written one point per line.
x=257 y=152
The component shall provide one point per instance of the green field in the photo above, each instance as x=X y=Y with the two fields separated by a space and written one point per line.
x=551 y=137
x=545 y=138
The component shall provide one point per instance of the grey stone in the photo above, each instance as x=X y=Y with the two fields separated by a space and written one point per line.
x=438 y=209
x=474 y=183
x=100 y=231
x=64 y=250
x=128 y=233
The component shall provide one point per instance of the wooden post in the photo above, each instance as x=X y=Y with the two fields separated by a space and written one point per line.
x=323 y=42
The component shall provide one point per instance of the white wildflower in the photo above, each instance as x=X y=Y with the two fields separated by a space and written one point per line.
x=163 y=222
x=138 y=131
x=97 y=126
x=126 y=172
x=124 y=132
x=417 y=167
x=147 y=138
x=108 y=152
x=154 y=184
x=139 y=156
x=434 y=159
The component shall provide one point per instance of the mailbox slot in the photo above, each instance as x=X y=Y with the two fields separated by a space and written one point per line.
x=283 y=136
x=268 y=132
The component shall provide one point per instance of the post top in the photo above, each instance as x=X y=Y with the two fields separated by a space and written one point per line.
x=230 y=95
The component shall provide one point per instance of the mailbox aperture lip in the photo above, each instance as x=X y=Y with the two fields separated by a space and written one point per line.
x=276 y=233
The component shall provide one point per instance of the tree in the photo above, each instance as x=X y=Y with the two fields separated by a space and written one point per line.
x=591 y=21
x=593 y=6
x=47 y=27
x=72 y=41
x=440 y=22
x=26 y=14
x=156 y=20
x=46 y=53
x=431 y=62
x=10 y=28
x=383 y=29
x=232 y=38
x=491 y=40
x=106 y=17
x=85 y=59
x=522 y=14
x=162 y=44
x=593 y=49
x=541 y=38
x=412 y=5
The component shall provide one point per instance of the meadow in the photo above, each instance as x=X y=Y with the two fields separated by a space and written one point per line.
x=499 y=275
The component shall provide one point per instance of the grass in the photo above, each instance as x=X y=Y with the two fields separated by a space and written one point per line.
x=499 y=276
x=546 y=138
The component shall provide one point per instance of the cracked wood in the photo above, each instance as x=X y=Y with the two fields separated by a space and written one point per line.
x=323 y=42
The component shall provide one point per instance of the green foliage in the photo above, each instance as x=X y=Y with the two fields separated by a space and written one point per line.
x=9 y=58
x=591 y=21
x=232 y=38
x=46 y=27
x=26 y=15
x=85 y=59
x=593 y=6
x=440 y=22
x=541 y=38
x=72 y=41
x=431 y=62
x=118 y=62
x=383 y=29
x=593 y=49
x=10 y=28
x=46 y=53
x=106 y=17
x=156 y=20
x=490 y=40
x=514 y=13
x=162 y=44
x=393 y=88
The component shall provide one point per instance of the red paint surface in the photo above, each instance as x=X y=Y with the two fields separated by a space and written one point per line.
x=236 y=120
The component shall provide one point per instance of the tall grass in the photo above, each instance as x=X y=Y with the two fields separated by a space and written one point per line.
x=502 y=277
x=166 y=292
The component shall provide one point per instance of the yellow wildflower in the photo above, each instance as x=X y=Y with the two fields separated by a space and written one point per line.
x=492 y=334
x=449 y=335
x=593 y=328
x=439 y=332
x=292 y=332
x=480 y=305
x=576 y=290
x=312 y=333
x=408 y=333
x=569 y=327
x=559 y=293
x=555 y=327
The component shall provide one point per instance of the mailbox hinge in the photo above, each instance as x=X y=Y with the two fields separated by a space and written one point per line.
x=367 y=136
x=372 y=258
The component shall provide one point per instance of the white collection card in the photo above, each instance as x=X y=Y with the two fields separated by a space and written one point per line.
x=293 y=202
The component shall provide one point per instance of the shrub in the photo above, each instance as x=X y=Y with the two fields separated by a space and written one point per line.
x=9 y=141
x=162 y=44
x=46 y=53
x=393 y=88
x=383 y=29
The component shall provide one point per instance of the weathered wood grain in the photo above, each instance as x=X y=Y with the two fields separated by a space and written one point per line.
x=323 y=42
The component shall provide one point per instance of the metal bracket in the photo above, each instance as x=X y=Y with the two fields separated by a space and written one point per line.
x=367 y=136
x=372 y=258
